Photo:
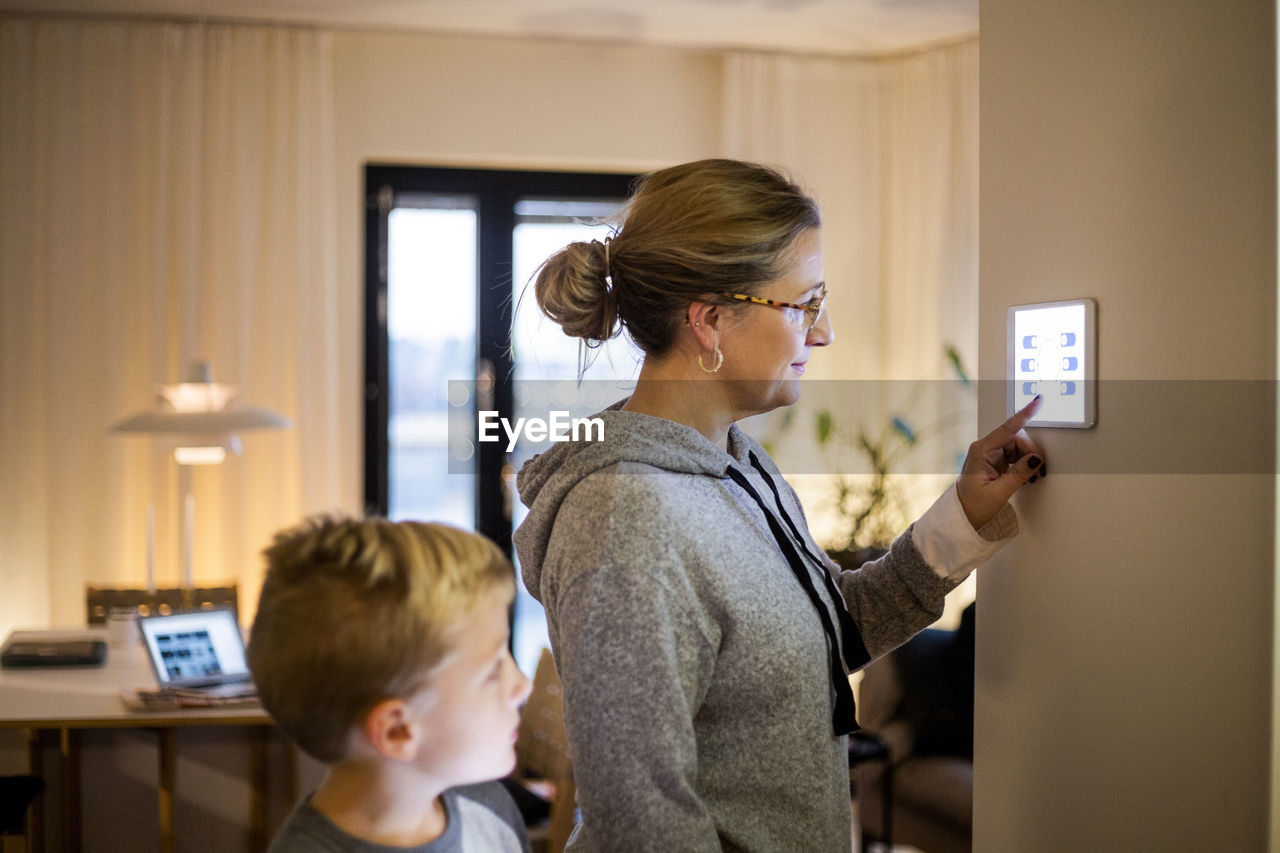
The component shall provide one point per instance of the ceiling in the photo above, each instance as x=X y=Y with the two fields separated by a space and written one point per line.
x=832 y=27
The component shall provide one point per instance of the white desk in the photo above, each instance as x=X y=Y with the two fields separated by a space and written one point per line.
x=60 y=702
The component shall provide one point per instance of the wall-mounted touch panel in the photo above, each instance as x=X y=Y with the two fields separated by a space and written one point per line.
x=1052 y=351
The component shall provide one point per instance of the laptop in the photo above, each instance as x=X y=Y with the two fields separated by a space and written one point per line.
x=198 y=651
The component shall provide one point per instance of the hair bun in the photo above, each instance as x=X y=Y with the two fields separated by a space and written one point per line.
x=574 y=288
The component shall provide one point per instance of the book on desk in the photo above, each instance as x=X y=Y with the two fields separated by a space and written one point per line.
x=170 y=698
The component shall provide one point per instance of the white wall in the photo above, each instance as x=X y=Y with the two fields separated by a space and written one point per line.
x=1125 y=641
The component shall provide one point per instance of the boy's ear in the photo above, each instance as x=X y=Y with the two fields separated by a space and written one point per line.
x=390 y=729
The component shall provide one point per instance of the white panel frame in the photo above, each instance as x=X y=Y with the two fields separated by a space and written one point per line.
x=1074 y=370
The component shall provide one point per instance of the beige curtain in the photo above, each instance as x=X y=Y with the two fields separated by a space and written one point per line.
x=890 y=149
x=166 y=193
x=930 y=246
x=819 y=119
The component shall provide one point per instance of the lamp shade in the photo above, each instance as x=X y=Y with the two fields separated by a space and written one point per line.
x=199 y=420
x=201 y=423
x=199 y=408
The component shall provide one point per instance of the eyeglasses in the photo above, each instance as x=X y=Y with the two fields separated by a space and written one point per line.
x=812 y=309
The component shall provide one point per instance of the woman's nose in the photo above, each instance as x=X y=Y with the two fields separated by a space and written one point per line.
x=822 y=333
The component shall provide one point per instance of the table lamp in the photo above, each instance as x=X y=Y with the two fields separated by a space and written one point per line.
x=199 y=419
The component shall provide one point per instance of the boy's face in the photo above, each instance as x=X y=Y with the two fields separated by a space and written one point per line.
x=470 y=708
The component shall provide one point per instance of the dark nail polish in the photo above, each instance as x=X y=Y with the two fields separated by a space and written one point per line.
x=1034 y=461
x=1044 y=471
x=1033 y=479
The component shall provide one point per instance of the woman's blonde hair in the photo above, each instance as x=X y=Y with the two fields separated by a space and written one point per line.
x=687 y=233
x=356 y=611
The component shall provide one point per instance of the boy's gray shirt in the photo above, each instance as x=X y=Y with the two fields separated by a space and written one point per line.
x=481 y=819
x=697 y=692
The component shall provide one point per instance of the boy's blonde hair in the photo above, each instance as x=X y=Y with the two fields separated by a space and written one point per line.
x=357 y=611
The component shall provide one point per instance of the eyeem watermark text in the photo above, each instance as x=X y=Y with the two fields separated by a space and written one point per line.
x=559 y=426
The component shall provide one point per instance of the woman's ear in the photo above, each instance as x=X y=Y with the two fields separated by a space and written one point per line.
x=391 y=730
x=704 y=319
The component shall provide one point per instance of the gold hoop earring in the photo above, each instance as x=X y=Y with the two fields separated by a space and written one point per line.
x=719 y=361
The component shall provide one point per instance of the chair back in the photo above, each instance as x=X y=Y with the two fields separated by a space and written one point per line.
x=16 y=795
x=542 y=749
x=100 y=602
x=542 y=746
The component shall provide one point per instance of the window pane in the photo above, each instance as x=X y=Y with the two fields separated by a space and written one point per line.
x=543 y=353
x=431 y=325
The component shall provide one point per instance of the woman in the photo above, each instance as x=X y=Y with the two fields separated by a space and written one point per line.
x=702 y=636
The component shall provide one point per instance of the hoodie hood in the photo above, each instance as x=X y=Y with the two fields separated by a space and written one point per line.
x=547 y=478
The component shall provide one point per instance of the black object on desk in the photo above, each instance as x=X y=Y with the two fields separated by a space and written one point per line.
x=28 y=653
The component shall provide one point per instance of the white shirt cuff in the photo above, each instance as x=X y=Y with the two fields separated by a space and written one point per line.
x=948 y=542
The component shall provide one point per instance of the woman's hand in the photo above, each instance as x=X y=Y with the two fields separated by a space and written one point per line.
x=998 y=465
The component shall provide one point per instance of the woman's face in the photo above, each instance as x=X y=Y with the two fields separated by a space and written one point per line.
x=765 y=347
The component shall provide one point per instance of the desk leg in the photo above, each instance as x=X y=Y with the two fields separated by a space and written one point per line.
x=168 y=780
x=291 y=782
x=35 y=766
x=69 y=758
x=259 y=782
x=887 y=820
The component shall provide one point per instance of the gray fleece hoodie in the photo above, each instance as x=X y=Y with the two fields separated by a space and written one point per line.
x=698 y=697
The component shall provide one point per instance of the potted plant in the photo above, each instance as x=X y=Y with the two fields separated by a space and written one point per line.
x=868 y=498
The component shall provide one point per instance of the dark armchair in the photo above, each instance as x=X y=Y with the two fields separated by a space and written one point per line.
x=919 y=701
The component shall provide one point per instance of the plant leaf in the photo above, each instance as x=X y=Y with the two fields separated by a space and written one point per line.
x=957 y=364
x=825 y=426
x=904 y=429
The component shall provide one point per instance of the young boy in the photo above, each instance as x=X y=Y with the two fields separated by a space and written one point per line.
x=381 y=648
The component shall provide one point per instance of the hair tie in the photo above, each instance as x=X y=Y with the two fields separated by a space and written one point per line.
x=608 y=273
x=608 y=270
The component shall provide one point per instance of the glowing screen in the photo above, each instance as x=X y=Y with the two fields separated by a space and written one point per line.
x=1052 y=353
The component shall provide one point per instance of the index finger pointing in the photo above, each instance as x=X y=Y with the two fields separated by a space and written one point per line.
x=1010 y=428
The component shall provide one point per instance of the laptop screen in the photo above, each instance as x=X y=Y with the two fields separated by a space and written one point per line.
x=202 y=647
